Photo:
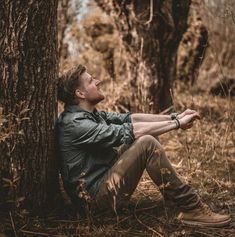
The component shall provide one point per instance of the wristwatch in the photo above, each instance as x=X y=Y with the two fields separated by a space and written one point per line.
x=173 y=116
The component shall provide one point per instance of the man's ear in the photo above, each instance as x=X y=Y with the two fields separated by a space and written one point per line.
x=80 y=94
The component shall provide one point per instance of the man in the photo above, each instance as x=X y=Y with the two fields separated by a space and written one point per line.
x=93 y=168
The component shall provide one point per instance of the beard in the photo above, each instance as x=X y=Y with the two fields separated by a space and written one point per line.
x=96 y=99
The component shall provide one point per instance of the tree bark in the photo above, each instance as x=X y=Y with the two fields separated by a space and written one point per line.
x=151 y=32
x=28 y=69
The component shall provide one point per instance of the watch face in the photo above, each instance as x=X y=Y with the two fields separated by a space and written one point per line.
x=173 y=115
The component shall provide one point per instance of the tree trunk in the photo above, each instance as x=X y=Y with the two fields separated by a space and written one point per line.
x=151 y=32
x=192 y=47
x=28 y=69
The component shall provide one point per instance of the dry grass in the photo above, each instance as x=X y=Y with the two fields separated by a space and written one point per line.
x=207 y=150
x=204 y=155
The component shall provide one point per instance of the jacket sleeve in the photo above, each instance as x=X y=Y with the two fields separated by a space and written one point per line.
x=87 y=132
x=116 y=118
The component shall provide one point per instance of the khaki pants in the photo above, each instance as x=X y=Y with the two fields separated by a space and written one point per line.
x=122 y=179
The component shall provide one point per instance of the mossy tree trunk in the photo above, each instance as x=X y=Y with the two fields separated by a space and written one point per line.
x=28 y=72
x=151 y=32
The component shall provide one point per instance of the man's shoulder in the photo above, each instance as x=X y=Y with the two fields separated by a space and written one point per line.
x=71 y=117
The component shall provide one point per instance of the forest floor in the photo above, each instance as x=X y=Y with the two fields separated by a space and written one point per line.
x=204 y=155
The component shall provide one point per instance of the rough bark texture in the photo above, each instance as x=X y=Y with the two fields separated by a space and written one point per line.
x=151 y=32
x=28 y=69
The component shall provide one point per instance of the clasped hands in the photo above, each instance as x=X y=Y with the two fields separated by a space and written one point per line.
x=187 y=118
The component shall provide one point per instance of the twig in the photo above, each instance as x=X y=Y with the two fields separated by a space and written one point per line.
x=122 y=220
x=34 y=233
x=151 y=13
x=40 y=233
x=167 y=110
x=172 y=99
x=13 y=224
x=148 y=227
x=65 y=221
x=147 y=208
x=188 y=153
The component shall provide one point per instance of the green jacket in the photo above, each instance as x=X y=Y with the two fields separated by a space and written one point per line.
x=87 y=144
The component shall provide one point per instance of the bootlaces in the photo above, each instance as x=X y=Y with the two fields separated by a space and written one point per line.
x=206 y=210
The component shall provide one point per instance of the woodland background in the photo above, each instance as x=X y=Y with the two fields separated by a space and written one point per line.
x=152 y=56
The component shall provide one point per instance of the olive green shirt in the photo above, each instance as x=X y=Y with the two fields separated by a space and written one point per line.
x=87 y=143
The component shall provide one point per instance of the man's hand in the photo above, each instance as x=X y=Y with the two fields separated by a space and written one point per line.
x=187 y=118
x=186 y=112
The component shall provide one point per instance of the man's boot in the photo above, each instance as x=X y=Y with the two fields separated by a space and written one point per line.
x=204 y=216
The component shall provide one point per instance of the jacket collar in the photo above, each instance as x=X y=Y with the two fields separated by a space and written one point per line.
x=77 y=108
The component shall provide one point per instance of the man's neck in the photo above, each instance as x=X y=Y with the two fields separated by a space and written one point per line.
x=87 y=107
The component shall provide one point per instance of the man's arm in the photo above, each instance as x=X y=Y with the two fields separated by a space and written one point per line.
x=85 y=132
x=153 y=128
x=158 y=128
x=141 y=117
x=116 y=118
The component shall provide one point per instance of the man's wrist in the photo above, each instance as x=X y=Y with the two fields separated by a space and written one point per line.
x=177 y=122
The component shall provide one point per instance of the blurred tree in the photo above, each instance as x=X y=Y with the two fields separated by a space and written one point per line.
x=219 y=66
x=63 y=21
x=67 y=14
x=28 y=69
x=102 y=41
x=151 y=32
x=193 y=46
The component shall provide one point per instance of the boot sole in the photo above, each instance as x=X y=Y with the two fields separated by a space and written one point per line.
x=205 y=224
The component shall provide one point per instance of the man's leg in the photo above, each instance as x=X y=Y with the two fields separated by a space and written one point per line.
x=145 y=153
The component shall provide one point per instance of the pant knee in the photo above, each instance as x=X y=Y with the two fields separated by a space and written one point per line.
x=150 y=143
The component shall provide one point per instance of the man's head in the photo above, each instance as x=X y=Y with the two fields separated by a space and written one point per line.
x=78 y=86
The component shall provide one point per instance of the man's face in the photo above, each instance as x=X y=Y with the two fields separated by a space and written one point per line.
x=90 y=89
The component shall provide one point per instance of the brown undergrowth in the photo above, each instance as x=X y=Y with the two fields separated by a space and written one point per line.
x=203 y=155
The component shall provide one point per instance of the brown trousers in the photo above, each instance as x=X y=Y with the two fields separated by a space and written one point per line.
x=122 y=179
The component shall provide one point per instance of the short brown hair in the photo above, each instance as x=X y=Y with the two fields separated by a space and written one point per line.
x=68 y=83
